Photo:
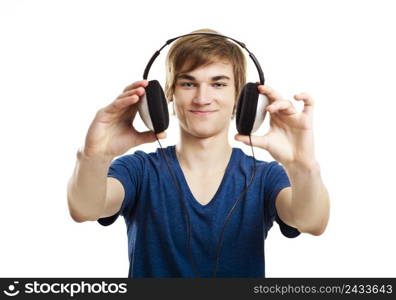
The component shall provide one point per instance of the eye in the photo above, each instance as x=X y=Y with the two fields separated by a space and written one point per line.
x=219 y=84
x=187 y=84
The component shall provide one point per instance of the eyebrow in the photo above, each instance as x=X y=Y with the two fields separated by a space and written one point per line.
x=192 y=78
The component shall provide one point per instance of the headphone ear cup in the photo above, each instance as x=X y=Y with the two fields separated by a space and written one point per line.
x=153 y=107
x=246 y=109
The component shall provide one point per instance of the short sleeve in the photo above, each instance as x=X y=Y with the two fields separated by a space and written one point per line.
x=128 y=170
x=276 y=180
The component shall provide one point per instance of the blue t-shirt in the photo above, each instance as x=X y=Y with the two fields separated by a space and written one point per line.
x=156 y=223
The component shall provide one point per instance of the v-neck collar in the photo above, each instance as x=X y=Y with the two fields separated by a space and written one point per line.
x=185 y=187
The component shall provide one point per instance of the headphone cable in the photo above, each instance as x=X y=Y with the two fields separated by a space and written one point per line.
x=220 y=242
x=189 y=231
x=186 y=214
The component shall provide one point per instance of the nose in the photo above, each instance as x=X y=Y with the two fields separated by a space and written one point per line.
x=203 y=95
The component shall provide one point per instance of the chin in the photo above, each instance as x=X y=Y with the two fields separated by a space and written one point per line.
x=202 y=130
x=205 y=133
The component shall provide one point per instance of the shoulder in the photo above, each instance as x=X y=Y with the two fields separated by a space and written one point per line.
x=248 y=161
x=142 y=159
x=270 y=173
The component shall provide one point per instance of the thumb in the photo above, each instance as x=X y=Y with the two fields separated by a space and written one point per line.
x=257 y=141
x=149 y=136
x=161 y=135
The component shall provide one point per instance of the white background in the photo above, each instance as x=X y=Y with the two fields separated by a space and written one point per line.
x=61 y=61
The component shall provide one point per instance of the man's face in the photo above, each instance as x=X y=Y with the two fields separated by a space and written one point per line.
x=204 y=99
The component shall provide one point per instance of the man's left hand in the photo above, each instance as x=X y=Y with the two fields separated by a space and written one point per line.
x=290 y=137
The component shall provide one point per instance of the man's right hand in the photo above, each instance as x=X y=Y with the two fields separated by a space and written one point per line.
x=111 y=133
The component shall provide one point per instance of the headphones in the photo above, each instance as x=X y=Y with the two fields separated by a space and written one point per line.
x=250 y=113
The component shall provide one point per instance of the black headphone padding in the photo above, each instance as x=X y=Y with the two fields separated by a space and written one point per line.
x=247 y=108
x=157 y=106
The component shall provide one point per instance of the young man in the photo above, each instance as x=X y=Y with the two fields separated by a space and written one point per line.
x=204 y=77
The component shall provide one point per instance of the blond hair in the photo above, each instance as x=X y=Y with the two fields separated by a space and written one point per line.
x=201 y=50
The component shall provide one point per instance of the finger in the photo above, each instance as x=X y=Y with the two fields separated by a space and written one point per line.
x=122 y=103
x=284 y=105
x=272 y=94
x=136 y=84
x=308 y=101
x=257 y=141
x=139 y=91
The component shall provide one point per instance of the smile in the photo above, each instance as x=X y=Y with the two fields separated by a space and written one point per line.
x=202 y=112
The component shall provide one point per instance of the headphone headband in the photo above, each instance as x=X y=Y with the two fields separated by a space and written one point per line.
x=251 y=55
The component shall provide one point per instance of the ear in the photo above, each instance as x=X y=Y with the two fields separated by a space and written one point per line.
x=173 y=105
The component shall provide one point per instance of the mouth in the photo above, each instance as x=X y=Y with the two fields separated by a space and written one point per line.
x=202 y=112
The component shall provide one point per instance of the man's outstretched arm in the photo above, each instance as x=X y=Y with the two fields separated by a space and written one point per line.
x=306 y=204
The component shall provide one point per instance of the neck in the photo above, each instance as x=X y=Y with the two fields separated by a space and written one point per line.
x=203 y=155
